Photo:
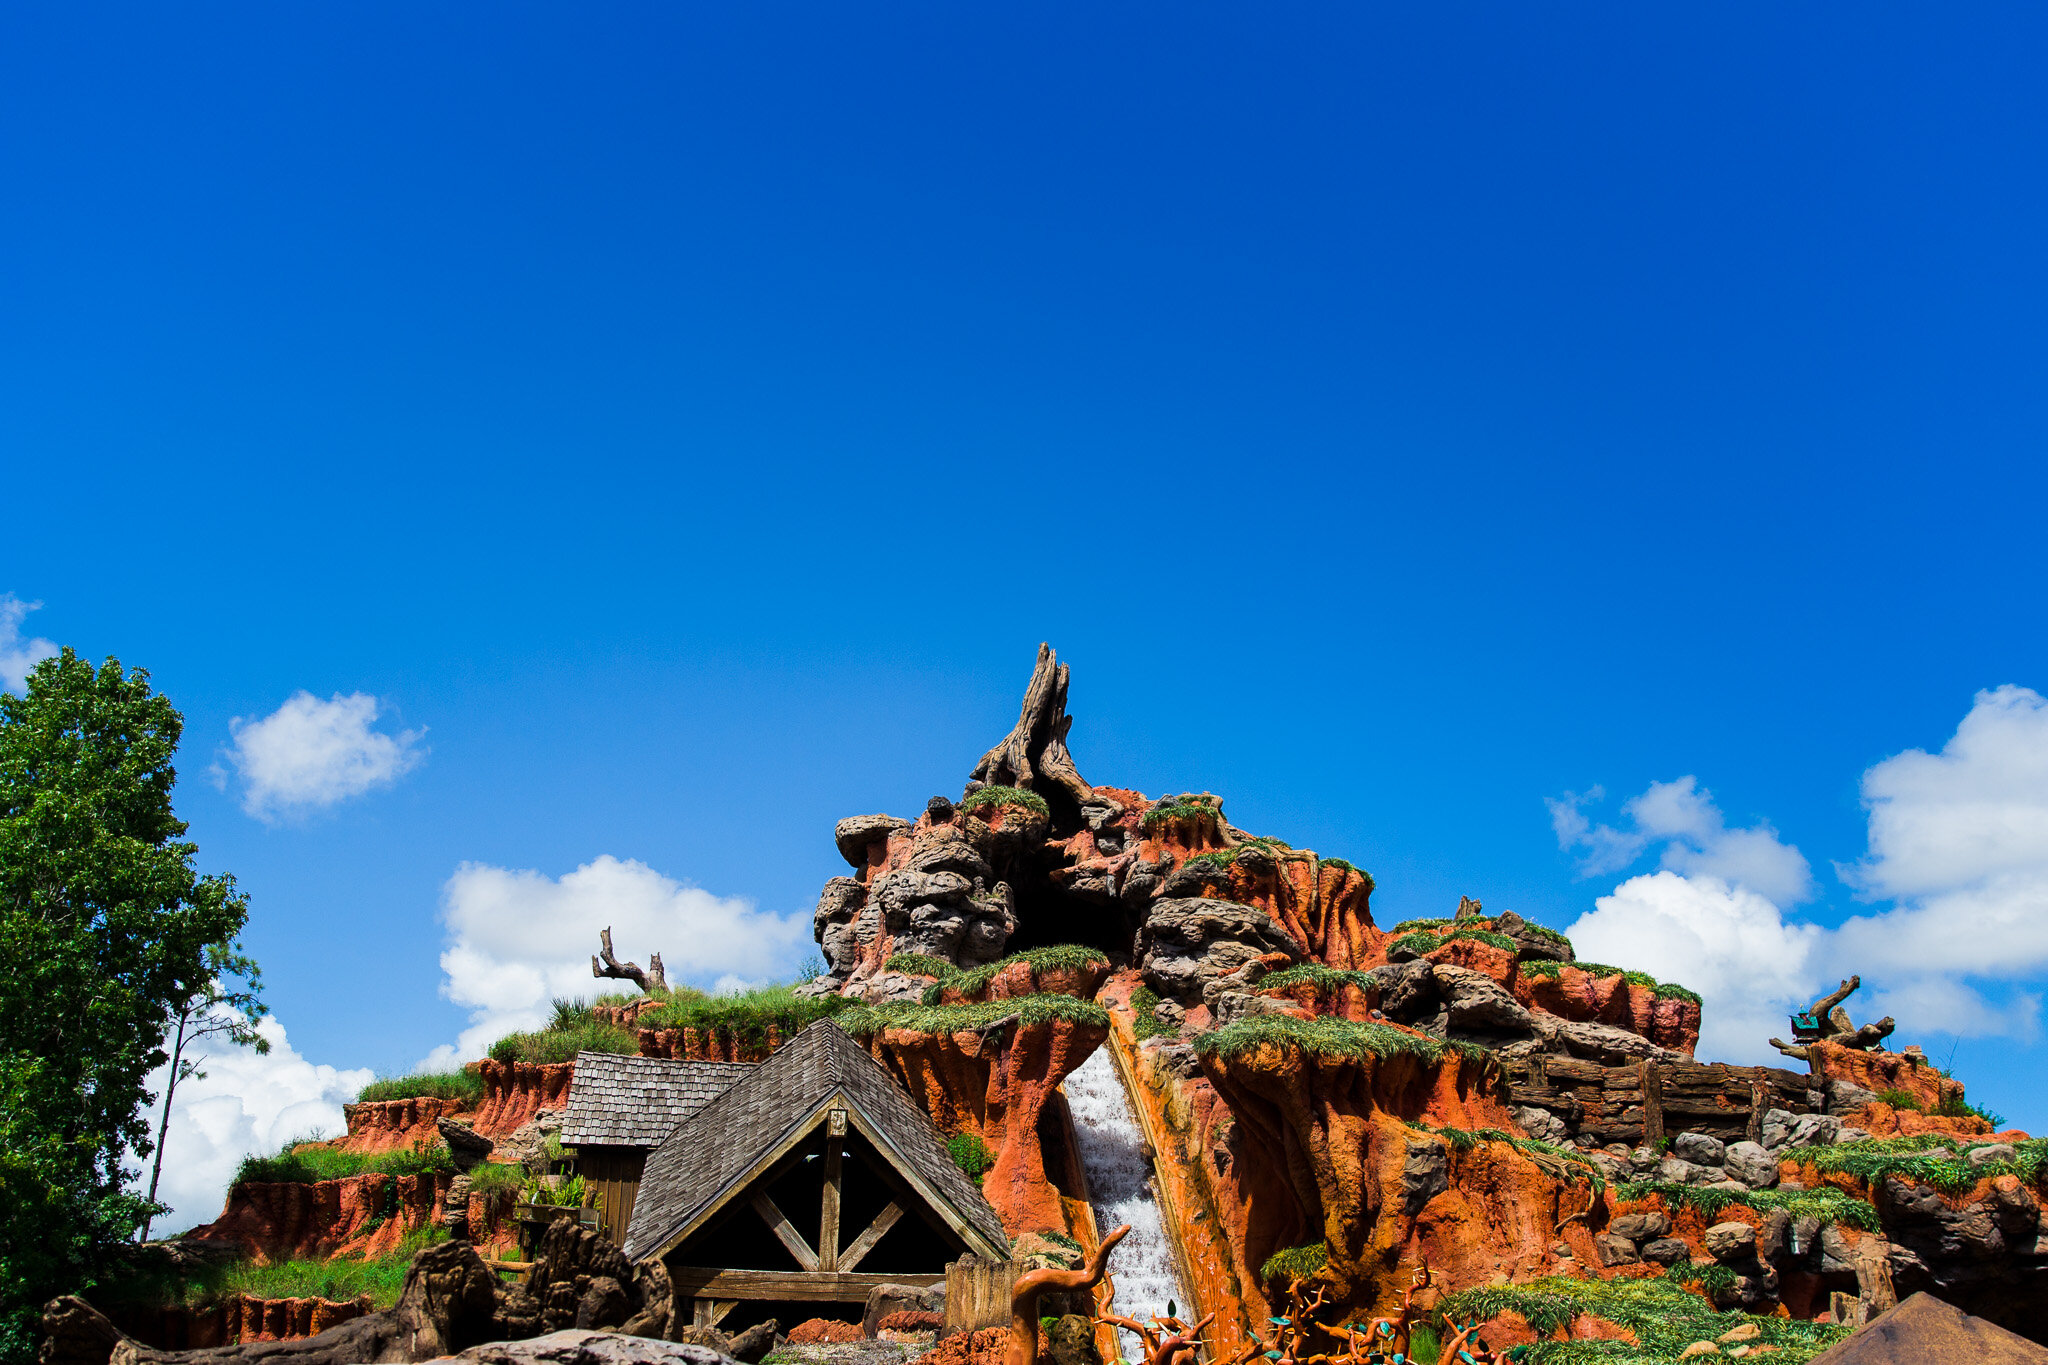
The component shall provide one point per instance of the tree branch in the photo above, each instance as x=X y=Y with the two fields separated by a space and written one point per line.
x=653 y=981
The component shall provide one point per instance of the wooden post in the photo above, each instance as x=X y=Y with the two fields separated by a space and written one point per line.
x=1653 y=1103
x=1759 y=1101
x=978 y=1293
x=828 y=1222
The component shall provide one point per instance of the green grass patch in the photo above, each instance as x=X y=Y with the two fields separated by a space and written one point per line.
x=1540 y=966
x=1344 y=863
x=1664 y=990
x=1671 y=990
x=1956 y=1107
x=918 y=964
x=1296 y=1263
x=1577 y=1165
x=1829 y=1206
x=548 y=1046
x=1907 y=1159
x=747 y=1016
x=1194 y=810
x=971 y=1155
x=1407 y=924
x=1005 y=796
x=1901 y=1099
x=1216 y=863
x=1545 y=933
x=864 y=1021
x=1326 y=1037
x=465 y=1087
x=325 y=1163
x=1145 y=1005
x=338 y=1280
x=1060 y=957
x=1328 y=980
x=1664 y=1315
x=1422 y=942
x=496 y=1179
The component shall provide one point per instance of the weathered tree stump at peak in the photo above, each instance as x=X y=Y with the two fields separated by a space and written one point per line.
x=1034 y=753
x=654 y=981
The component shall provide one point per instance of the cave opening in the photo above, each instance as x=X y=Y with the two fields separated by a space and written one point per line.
x=1048 y=916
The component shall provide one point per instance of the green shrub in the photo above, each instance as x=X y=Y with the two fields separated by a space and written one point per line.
x=1540 y=966
x=1407 y=924
x=325 y=1163
x=1671 y=990
x=1005 y=796
x=1486 y=936
x=1191 y=809
x=1901 y=1099
x=1546 y=933
x=1664 y=1316
x=551 y=1045
x=1956 y=1107
x=1342 y=864
x=1328 y=980
x=1216 y=862
x=1296 y=1263
x=864 y=1021
x=1328 y=1037
x=1421 y=943
x=464 y=1086
x=746 y=1016
x=495 y=1179
x=1145 y=1005
x=971 y=1155
x=918 y=964
x=1906 y=1158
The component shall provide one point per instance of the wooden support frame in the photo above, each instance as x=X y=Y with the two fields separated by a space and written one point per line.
x=828 y=1217
x=865 y=1243
x=711 y=1312
x=785 y=1232
x=816 y=1286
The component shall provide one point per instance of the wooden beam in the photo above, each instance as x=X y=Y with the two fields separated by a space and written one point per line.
x=784 y=1232
x=828 y=1217
x=710 y=1312
x=865 y=1243
x=821 y=1286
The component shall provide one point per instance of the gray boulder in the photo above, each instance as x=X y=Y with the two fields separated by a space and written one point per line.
x=1666 y=1251
x=1727 y=1242
x=1752 y=1165
x=1612 y=1250
x=582 y=1347
x=1990 y=1152
x=1425 y=1174
x=1187 y=943
x=856 y=832
x=1407 y=991
x=1641 y=1227
x=1698 y=1148
x=1478 y=1003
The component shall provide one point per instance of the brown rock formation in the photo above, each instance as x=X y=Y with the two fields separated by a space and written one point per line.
x=395 y=1125
x=515 y=1091
x=366 y=1215
x=239 y=1318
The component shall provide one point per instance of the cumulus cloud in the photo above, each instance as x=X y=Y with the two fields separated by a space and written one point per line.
x=1726 y=942
x=18 y=653
x=1696 y=840
x=1958 y=842
x=246 y=1103
x=518 y=939
x=311 y=753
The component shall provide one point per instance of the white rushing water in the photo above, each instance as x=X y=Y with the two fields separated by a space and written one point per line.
x=1113 y=1153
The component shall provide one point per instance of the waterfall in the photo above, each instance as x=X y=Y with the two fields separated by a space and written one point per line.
x=1119 y=1179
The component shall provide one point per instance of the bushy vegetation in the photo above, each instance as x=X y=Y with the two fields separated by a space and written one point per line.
x=1829 y=1206
x=1295 y=1263
x=1908 y=1158
x=864 y=1021
x=1328 y=1037
x=1217 y=861
x=1664 y=990
x=1665 y=1317
x=1901 y=1099
x=1005 y=796
x=971 y=1155
x=918 y=964
x=465 y=1087
x=1407 y=925
x=1068 y=956
x=1145 y=1005
x=308 y=1164
x=496 y=1179
x=746 y=1016
x=1956 y=1107
x=337 y=1280
x=573 y=1028
x=1423 y=942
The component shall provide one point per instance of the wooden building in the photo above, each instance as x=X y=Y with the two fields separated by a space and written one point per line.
x=810 y=1180
x=620 y=1109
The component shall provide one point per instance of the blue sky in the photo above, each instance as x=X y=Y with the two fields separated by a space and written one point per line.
x=687 y=421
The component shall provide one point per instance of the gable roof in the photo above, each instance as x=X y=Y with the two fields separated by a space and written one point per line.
x=1925 y=1330
x=716 y=1152
x=617 y=1101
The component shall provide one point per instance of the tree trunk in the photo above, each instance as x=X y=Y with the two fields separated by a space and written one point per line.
x=1034 y=754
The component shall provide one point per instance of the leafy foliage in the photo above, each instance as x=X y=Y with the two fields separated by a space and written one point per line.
x=1214 y=861
x=1324 y=1036
x=302 y=1164
x=107 y=930
x=864 y=1021
x=1663 y=990
x=971 y=1155
x=1193 y=809
x=1327 y=980
x=464 y=1086
x=552 y=1045
x=1145 y=1005
x=1005 y=796
x=336 y=1280
x=1901 y=1099
x=496 y=1179
x=1069 y=956
x=1664 y=1316
x=1956 y=1107
x=1296 y=1263
x=1830 y=1206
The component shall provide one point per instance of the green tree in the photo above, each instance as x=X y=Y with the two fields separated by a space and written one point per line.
x=107 y=929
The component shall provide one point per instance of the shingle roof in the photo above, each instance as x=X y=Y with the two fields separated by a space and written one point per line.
x=706 y=1159
x=637 y=1101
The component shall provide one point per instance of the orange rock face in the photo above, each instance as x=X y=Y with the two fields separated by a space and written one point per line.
x=996 y=1086
x=239 y=1318
x=515 y=1091
x=707 y=1045
x=1611 y=999
x=1882 y=1071
x=363 y=1215
x=395 y=1125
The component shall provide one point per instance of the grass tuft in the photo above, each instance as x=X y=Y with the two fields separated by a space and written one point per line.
x=1005 y=796
x=1907 y=1159
x=864 y=1021
x=1664 y=1315
x=1326 y=1037
x=1296 y=1263
x=1829 y=1206
x=746 y=1017
x=971 y=1155
x=1067 y=956
x=1409 y=924
x=918 y=964
x=1145 y=1005
x=1328 y=980
x=325 y=1163
x=464 y=1086
x=1192 y=809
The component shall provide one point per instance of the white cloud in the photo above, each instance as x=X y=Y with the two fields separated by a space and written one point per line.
x=1726 y=942
x=311 y=753
x=18 y=653
x=1682 y=816
x=246 y=1103
x=518 y=939
x=1958 y=841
